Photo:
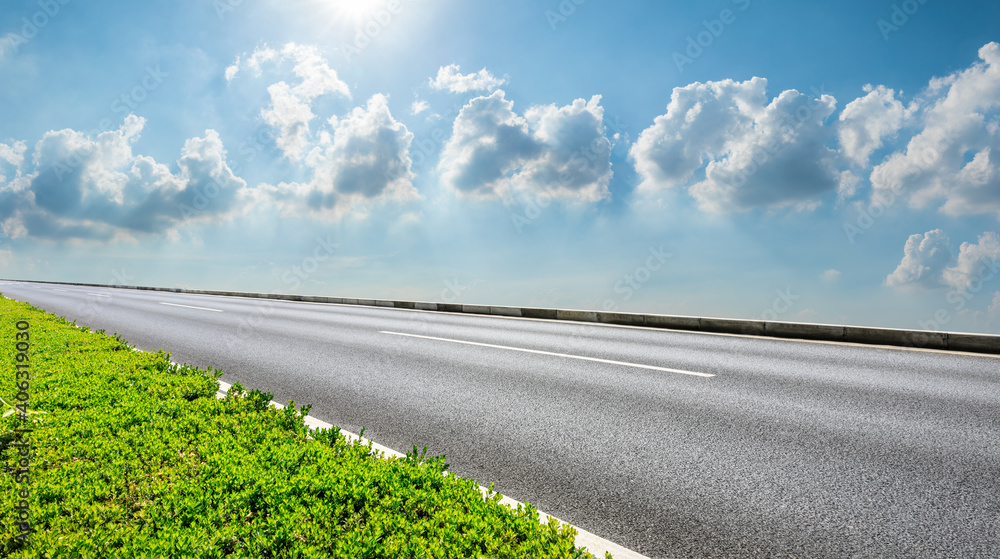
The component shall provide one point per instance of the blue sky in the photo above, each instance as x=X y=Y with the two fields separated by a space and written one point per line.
x=740 y=158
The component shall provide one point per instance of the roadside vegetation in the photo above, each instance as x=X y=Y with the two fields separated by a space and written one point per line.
x=131 y=456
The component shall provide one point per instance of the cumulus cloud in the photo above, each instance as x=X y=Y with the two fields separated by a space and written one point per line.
x=977 y=262
x=929 y=261
x=494 y=152
x=450 y=78
x=369 y=154
x=360 y=157
x=366 y=157
x=96 y=188
x=925 y=258
x=291 y=105
x=830 y=275
x=954 y=159
x=575 y=161
x=699 y=121
x=489 y=142
x=754 y=153
x=867 y=121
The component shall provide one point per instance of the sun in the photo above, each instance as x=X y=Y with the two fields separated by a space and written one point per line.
x=357 y=11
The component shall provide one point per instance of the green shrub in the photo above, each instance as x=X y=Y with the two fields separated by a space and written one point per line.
x=135 y=457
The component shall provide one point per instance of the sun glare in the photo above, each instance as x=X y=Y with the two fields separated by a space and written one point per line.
x=357 y=11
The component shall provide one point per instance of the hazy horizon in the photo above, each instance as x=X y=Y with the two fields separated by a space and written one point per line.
x=734 y=158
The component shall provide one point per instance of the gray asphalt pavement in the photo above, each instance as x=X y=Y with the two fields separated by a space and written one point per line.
x=782 y=448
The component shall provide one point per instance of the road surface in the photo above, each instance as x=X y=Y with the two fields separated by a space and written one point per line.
x=674 y=444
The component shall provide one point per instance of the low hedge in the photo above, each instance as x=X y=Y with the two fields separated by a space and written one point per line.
x=132 y=456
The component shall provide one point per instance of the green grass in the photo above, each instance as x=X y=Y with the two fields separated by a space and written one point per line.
x=135 y=457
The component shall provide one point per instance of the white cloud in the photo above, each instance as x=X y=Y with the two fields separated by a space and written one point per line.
x=929 y=261
x=369 y=155
x=253 y=63
x=291 y=105
x=976 y=263
x=494 y=152
x=867 y=121
x=359 y=158
x=13 y=153
x=97 y=189
x=575 y=161
x=925 y=258
x=451 y=79
x=699 y=121
x=488 y=143
x=13 y=156
x=366 y=157
x=5 y=257
x=754 y=153
x=290 y=115
x=955 y=158
x=419 y=106
x=316 y=75
x=232 y=70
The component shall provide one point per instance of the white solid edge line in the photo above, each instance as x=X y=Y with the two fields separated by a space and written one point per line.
x=623 y=363
x=97 y=294
x=190 y=307
x=595 y=544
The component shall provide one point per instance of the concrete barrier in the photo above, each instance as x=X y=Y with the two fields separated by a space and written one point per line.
x=505 y=311
x=671 y=322
x=476 y=309
x=824 y=332
x=731 y=326
x=621 y=318
x=970 y=343
x=578 y=316
x=538 y=313
x=895 y=337
x=974 y=343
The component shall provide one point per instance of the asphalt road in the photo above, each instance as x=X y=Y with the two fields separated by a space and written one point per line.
x=791 y=449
